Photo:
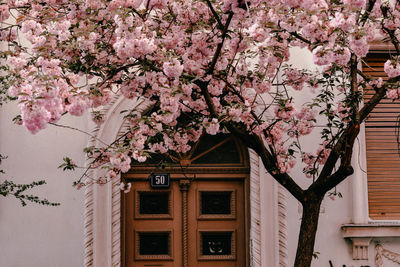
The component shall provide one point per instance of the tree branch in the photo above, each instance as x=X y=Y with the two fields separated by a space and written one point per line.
x=393 y=39
x=78 y=130
x=202 y=84
x=301 y=38
x=370 y=6
x=376 y=98
x=391 y=33
x=219 y=47
x=362 y=74
x=256 y=143
x=343 y=148
x=220 y=25
x=345 y=144
x=207 y=97
x=321 y=186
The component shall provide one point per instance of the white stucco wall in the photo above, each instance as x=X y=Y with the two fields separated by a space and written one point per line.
x=41 y=236
x=37 y=236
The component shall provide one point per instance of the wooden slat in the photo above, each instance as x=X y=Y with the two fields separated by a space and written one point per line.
x=383 y=160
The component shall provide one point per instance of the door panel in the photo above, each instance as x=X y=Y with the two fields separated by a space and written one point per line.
x=215 y=221
x=153 y=226
x=216 y=212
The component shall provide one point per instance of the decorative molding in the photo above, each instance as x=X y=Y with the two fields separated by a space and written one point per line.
x=360 y=248
x=116 y=223
x=102 y=225
x=255 y=211
x=282 y=208
x=88 y=226
x=89 y=220
x=362 y=234
x=370 y=230
x=382 y=252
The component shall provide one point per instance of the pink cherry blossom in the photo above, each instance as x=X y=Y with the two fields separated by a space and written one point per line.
x=212 y=127
x=360 y=4
x=392 y=68
x=4 y=12
x=81 y=55
x=321 y=56
x=323 y=153
x=341 y=56
x=34 y=117
x=173 y=69
x=296 y=79
x=359 y=45
x=285 y=112
x=121 y=162
x=125 y=187
x=392 y=94
x=77 y=105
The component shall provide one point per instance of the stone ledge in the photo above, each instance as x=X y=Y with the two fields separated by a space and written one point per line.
x=371 y=230
x=362 y=234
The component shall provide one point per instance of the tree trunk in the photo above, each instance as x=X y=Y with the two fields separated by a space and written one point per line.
x=308 y=230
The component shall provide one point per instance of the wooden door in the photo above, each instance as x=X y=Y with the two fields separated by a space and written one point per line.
x=195 y=223
x=152 y=226
x=216 y=224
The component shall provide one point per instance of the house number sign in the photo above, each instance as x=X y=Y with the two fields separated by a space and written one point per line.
x=159 y=180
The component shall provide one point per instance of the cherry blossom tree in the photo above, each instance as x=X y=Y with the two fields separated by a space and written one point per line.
x=208 y=66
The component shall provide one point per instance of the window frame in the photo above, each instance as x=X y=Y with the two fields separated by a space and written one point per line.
x=363 y=229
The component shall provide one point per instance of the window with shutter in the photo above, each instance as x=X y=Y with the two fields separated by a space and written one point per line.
x=382 y=146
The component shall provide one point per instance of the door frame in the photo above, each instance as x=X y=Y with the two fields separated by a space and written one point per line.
x=201 y=174
x=102 y=207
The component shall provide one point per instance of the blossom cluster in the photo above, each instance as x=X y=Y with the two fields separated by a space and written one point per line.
x=206 y=66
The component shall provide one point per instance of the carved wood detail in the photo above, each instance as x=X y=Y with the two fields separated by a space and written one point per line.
x=184 y=186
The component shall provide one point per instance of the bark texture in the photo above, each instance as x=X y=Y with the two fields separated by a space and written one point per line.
x=308 y=230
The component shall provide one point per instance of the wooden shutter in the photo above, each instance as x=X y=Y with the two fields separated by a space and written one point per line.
x=383 y=160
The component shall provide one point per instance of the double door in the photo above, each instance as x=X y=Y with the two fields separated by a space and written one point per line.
x=193 y=223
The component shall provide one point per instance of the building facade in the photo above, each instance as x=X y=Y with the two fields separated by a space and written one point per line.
x=221 y=208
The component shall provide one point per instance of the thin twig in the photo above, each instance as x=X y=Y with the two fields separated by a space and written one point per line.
x=301 y=38
x=76 y=129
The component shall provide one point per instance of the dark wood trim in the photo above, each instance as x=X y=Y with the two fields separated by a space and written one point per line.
x=189 y=170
